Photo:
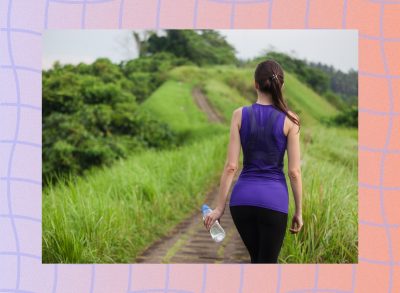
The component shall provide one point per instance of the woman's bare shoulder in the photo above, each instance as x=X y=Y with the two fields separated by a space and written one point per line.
x=237 y=116
x=293 y=114
x=289 y=124
x=238 y=110
x=237 y=113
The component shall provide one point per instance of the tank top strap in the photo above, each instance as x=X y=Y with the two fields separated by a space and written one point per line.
x=253 y=122
x=279 y=128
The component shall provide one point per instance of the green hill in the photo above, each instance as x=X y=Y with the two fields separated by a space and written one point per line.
x=227 y=88
x=172 y=102
x=329 y=173
x=114 y=213
x=305 y=102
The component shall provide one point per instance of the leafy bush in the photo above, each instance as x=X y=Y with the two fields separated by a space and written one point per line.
x=201 y=47
x=90 y=119
x=348 y=117
x=335 y=100
x=147 y=73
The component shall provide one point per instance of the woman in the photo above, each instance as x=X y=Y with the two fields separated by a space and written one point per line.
x=259 y=199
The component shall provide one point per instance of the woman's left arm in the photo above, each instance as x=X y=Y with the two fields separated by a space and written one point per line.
x=230 y=168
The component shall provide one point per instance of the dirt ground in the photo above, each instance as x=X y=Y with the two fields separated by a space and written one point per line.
x=189 y=241
x=201 y=101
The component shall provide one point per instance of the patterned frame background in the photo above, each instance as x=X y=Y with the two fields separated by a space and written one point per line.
x=21 y=28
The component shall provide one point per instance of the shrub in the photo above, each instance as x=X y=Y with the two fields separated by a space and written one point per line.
x=348 y=117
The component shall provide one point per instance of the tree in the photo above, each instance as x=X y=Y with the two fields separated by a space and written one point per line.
x=200 y=47
x=90 y=118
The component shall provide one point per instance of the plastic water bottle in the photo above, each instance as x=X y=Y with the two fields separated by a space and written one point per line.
x=216 y=231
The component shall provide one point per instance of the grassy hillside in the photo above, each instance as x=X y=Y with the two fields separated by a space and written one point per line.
x=224 y=98
x=305 y=102
x=330 y=198
x=173 y=103
x=229 y=87
x=114 y=213
x=329 y=173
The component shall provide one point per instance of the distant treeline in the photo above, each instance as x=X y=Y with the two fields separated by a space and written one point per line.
x=337 y=87
x=204 y=47
x=208 y=47
x=344 y=84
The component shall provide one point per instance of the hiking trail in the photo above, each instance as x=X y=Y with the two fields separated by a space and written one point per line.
x=189 y=241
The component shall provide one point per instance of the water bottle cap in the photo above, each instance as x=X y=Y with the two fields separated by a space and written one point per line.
x=204 y=207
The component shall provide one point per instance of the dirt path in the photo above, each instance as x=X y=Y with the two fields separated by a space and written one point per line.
x=190 y=242
x=201 y=101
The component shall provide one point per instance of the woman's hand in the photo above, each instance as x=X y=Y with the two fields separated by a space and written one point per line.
x=210 y=219
x=297 y=223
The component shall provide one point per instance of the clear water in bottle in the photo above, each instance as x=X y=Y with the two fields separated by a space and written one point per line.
x=216 y=231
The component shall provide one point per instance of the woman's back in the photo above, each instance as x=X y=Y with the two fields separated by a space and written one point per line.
x=259 y=201
x=262 y=181
x=263 y=142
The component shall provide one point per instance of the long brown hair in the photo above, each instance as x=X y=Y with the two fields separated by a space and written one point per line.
x=270 y=77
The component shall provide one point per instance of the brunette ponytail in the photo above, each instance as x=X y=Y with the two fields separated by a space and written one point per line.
x=270 y=77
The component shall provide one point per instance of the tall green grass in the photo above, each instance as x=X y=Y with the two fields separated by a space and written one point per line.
x=330 y=202
x=112 y=214
x=174 y=104
x=224 y=98
x=311 y=107
x=239 y=83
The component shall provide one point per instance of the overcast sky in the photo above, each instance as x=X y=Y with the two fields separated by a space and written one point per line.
x=333 y=47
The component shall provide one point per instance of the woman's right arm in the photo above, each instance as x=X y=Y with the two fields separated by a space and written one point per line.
x=294 y=173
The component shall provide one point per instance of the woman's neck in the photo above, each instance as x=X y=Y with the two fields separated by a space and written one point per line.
x=264 y=99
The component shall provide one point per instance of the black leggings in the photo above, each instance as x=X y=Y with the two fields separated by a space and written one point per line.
x=262 y=231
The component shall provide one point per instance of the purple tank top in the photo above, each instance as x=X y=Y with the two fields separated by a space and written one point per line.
x=262 y=181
